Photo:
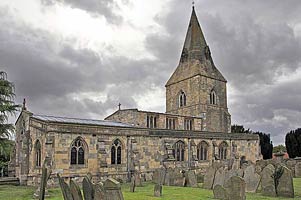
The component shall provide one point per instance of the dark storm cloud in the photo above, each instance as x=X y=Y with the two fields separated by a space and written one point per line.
x=106 y=8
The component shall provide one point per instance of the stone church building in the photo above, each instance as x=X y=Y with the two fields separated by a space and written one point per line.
x=192 y=133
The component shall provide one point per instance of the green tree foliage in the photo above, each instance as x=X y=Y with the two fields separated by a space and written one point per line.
x=265 y=141
x=293 y=143
x=7 y=105
x=279 y=148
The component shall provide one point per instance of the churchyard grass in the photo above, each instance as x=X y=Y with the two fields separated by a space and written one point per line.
x=141 y=193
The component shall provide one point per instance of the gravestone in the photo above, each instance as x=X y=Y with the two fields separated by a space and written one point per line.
x=191 y=179
x=169 y=177
x=267 y=181
x=99 y=191
x=209 y=178
x=41 y=191
x=132 y=186
x=138 y=180
x=65 y=189
x=88 y=188
x=75 y=191
x=158 y=190
x=251 y=178
x=112 y=190
x=219 y=178
x=298 y=170
x=219 y=192
x=230 y=173
x=179 y=178
x=285 y=187
x=235 y=188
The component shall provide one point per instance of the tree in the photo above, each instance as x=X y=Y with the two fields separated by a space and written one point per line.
x=266 y=144
x=293 y=143
x=7 y=105
x=279 y=148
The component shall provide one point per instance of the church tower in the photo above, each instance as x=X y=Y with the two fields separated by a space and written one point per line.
x=197 y=88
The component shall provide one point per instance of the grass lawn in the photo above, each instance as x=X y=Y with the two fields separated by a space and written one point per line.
x=141 y=193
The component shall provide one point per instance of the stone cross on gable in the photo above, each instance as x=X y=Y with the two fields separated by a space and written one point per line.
x=119 y=105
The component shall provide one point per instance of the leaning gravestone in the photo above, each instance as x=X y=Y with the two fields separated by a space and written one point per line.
x=158 y=190
x=132 y=186
x=251 y=178
x=209 y=178
x=191 y=179
x=219 y=177
x=75 y=191
x=235 y=188
x=65 y=189
x=219 y=192
x=112 y=189
x=285 y=187
x=267 y=181
x=88 y=188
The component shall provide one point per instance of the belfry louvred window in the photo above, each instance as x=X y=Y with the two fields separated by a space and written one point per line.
x=78 y=152
x=182 y=99
x=116 y=152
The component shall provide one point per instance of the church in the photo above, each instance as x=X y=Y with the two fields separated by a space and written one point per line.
x=194 y=131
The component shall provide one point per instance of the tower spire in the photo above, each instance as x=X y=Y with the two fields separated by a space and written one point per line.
x=195 y=46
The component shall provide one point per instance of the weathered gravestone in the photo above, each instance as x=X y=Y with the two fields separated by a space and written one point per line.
x=159 y=176
x=219 y=178
x=230 y=173
x=251 y=178
x=138 y=180
x=298 y=169
x=158 y=190
x=267 y=181
x=112 y=189
x=285 y=187
x=99 y=191
x=191 y=179
x=219 y=192
x=65 y=189
x=41 y=191
x=169 y=177
x=132 y=186
x=235 y=188
x=88 y=188
x=75 y=191
x=209 y=178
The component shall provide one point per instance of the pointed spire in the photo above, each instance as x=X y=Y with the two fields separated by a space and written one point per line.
x=195 y=46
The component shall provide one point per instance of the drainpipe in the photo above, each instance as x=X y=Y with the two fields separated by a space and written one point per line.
x=128 y=157
x=189 y=153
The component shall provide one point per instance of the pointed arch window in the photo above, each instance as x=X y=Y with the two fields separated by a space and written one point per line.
x=116 y=152
x=182 y=99
x=223 y=150
x=179 y=151
x=77 y=152
x=213 y=97
x=202 y=151
x=38 y=154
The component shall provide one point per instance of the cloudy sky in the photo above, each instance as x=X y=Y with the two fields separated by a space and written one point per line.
x=81 y=58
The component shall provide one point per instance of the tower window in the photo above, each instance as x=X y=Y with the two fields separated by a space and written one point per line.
x=213 y=97
x=170 y=123
x=179 y=151
x=151 y=121
x=116 y=152
x=78 y=152
x=182 y=99
x=188 y=123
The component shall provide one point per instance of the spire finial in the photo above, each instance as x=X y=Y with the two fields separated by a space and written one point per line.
x=24 y=104
x=193 y=4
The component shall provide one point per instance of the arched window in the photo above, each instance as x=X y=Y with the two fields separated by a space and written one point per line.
x=38 y=153
x=222 y=150
x=202 y=151
x=116 y=152
x=78 y=152
x=182 y=99
x=213 y=97
x=179 y=151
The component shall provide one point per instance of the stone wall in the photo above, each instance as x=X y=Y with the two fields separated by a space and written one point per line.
x=143 y=150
